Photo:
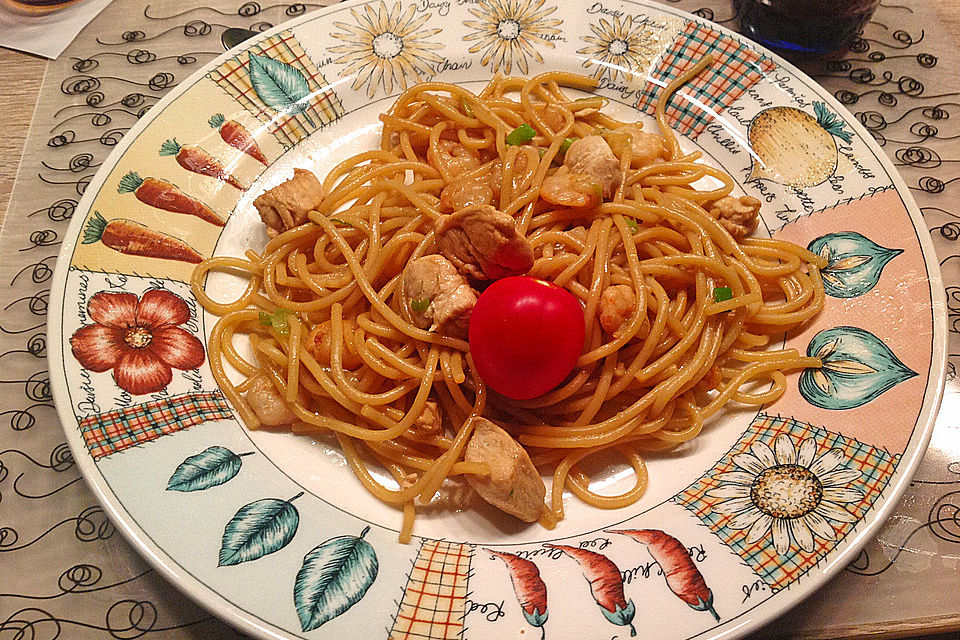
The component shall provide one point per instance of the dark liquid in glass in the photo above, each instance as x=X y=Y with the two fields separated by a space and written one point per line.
x=803 y=29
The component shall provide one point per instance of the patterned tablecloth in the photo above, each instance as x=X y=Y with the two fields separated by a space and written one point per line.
x=64 y=571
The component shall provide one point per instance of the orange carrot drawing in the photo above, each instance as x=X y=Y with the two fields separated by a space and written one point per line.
x=682 y=576
x=606 y=584
x=167 y=196
x=237 y=136
x=198 y=160
x=528 y=586
x=134 y=239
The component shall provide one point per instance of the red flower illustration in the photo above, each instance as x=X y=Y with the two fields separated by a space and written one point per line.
x=139 y=339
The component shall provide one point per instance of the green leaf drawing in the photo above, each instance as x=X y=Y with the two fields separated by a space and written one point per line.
x=211 y=467
x=831 y=122
x=280 y=86
x=259 y=528
x=335 y=575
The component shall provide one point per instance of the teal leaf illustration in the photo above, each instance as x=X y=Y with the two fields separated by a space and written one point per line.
x=831 y=122
x=211 y=467
x=854 y=263
x=335 y=575
x=857 y=367
x=622 y=616
x=280 y=86
x=259 y=528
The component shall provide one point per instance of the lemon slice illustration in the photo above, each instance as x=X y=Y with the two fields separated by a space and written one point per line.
x=795 y=148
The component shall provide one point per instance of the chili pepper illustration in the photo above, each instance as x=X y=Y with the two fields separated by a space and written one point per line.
x=606 y=584
x=529 y=587
x=682 y=576
x=167 y=196
x=198 y=160
x=134 y=239
x=237 y=136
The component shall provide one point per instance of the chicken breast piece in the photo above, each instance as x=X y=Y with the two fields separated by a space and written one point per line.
x=429 y=422
x=271 y=409
x=437 y=297
x=740 y=216
x=286 y=205
x=484 y=243
x=593 y=157
x=514 y=486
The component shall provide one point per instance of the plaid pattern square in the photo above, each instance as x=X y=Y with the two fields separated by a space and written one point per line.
x=434 y=600
x=323 y=107
x=735 y=69
x=120 y=429
x=850 y=476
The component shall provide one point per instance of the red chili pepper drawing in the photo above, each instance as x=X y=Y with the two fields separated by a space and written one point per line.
x=167 y=196
x=682 y=576
x=529 y=587
x=198 y=160
x=237 y=136
x=606 y=584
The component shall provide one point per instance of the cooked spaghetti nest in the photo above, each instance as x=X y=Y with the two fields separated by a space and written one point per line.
x=404 y=399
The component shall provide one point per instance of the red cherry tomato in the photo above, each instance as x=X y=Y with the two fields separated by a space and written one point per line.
x=525 y=336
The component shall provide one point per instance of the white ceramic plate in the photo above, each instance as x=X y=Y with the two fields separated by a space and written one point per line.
x=707 y=557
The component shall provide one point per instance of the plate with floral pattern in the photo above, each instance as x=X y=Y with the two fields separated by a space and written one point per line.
x=273 y=533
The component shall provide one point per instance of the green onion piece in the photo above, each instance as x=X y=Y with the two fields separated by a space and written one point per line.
x=541 y=151
x=420 y=304
x=722 y=293
x=266 y=319
x=342 y=223
x=277 y=320
x=598 y=190
x=465 y=107
x=523 y=133
x=634 y=227
x=566 y=144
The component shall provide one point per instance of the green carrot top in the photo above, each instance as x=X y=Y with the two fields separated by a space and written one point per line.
x=216 y=120
x=95 y=228
x=170 y=148
x=130 y=182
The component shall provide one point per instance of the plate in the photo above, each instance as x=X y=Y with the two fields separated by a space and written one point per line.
x=709 y=553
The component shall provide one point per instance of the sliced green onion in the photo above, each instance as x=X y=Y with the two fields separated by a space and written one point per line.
x=342 y=223
x=541 y=151
x=634 y=227
x=598 y=190
x=277 y=320
x=523 y=133
x=722 y=293
x=465 y=107
x=266 y=319
x=566 y=144
x=420 y=304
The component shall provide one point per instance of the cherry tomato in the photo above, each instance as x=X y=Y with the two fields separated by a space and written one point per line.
x=525 y=336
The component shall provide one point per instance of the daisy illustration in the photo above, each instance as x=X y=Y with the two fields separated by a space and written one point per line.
x=509 y=32
x=619 y=47
x=386 y=46
x=788 y=493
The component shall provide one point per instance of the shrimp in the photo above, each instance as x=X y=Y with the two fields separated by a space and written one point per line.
x=575 y=190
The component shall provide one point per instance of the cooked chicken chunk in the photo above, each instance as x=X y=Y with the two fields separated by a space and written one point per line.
x=592 y=156
x=319 y=344
x=437 y=296
x=646 y=148
x=429 y=422
x=617 y=305
x=484 y=243
x=286 y=205
x=269 y=407
x=740 y=216
x=514 y=485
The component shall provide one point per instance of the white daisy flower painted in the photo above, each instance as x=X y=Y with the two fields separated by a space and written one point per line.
x=788 y=493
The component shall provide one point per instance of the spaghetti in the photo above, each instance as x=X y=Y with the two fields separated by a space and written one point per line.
x=706 y=306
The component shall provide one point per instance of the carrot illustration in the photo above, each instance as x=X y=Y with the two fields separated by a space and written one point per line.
x=529 y=587
x=237 y=136
x=198 y=160
x=606 y=584
x=134 y=239
x=167 y=196
x=682 y=576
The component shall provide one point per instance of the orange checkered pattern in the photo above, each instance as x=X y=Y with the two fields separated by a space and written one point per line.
x=434 y=601
x=735 y=69
x=779 y=570
x=120 y=429
x=289 y=128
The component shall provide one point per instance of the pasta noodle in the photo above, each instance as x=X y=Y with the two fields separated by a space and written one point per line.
x=681 y=353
